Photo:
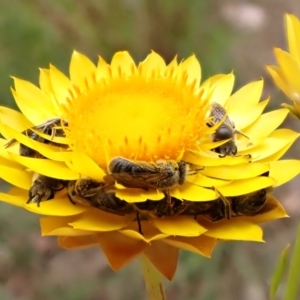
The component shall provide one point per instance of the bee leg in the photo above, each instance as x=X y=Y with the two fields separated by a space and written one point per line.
x=37 y=197
x=139 y=223
x=226 y=204
x=196 y=171
x=170 y=204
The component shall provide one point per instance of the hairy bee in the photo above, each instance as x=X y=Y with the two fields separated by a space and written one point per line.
x=97 y=194
x=163 y=175
x=250 y=204
x=225 y=131
x=43 y=189
x=52 y=128
x=162 y=208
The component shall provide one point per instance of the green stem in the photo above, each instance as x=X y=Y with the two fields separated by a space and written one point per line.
x=294 y=272
x=152 y=279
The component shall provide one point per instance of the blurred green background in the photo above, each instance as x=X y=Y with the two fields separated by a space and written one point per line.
x=225 y=35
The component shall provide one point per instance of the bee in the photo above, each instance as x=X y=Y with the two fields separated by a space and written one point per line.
x=163 y=175
x=87 y=191
x=225 y=131
x=52 y=128
x=102 y=196
x=250 y=204
x=162 y=208
x=43 y=189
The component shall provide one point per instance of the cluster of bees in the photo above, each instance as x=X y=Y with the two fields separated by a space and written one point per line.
x=162 y=175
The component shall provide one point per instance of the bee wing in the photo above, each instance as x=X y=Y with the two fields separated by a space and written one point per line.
x=54 y=122
x=136 y=180
x=219 y=114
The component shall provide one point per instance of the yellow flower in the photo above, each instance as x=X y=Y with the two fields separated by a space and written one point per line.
x=286 y=76
x=145 y=113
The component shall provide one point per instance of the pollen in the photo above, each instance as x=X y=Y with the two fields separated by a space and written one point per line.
x=137 y=117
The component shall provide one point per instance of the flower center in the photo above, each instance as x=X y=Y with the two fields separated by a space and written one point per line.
x=137 y=118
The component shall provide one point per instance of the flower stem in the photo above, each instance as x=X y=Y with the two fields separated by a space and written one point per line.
x=152 y=279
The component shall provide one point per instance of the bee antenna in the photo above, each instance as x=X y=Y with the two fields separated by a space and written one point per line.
x=240 y=133
x=195 y=171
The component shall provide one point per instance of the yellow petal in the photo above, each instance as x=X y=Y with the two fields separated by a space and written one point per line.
x=98 y=220
x=222 y=89
x=246 y=116
x=56 y=207
x=202 y=180
x=120 y=249
x=234 y=229
x=11 y=199
x=60 y=84
x=179 y=225
x=172 y=66
x=214 y=159
x=148 y=232
x=32 y=102
x=45 y=81
x=237 y=171
x=280 y=80
x=80 y=62
x=245 y=186
x=77 y=242
x=49 y=151
x=14 y=119
x=122 y=64
x=268 y=121
x=153 y=64
x=46 y=167
x=284 y=170
x=194 y=192
x=9 y=163
x=277 y=155
x=84 y=165
x=59 y=226
x=290 y=68
x=248 y=95
x=191 y=69
x=202 y=245
x=138 y=195
x=103 y=69
x=19 y=178
x=153 y=195
x=278 y=140
x=163 y=257
x=293 y=29
x=292 y=109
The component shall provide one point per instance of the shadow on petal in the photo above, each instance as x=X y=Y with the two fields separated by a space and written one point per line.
x=164 y=257
x=77 y=242
x=202 y=245
x=120 y=249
